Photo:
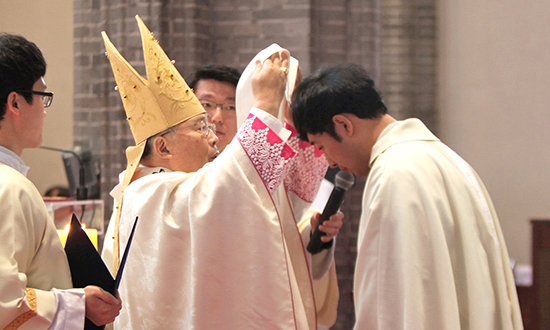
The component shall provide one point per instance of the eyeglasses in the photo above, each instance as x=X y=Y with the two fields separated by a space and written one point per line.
x=47 y=96
x=228 y=109
x=205 y=128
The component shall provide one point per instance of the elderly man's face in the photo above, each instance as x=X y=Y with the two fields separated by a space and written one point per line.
x=218 y=99
x=192 y=144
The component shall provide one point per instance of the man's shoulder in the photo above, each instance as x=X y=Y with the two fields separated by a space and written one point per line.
x=410 y=161
x=10 y=178
x=16 y=189
x=158 y=180
x=408 y=153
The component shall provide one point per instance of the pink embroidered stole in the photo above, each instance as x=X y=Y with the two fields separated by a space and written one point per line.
x=306 y=170
x=270 y=155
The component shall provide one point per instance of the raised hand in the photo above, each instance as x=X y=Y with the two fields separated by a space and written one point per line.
x=269 y=82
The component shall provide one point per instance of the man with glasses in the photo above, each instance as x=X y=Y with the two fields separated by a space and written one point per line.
x=35 y=280
x=47 y=97
x=215 y=87
x=208 y=251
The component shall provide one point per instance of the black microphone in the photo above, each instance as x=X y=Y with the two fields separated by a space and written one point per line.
x=81 y=190
x=343 y=182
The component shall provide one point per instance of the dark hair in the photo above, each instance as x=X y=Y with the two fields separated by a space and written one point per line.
x=216 y=72
x=21 y=65
x=343 y=88
x=58 y=191
x=149 y=144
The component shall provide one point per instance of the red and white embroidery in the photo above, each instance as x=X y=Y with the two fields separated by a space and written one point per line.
x=307 y=169
x=270 y=155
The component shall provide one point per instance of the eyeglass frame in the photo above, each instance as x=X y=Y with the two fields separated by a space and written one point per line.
x=222 y=107
x=205 y=130
x=48 y=96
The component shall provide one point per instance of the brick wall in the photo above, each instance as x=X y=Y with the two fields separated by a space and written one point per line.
x=393 y=39
x=407 y=52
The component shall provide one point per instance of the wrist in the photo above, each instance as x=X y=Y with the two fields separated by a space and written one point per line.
x=270 y=107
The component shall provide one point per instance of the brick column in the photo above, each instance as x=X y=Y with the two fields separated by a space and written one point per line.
x=408 y=55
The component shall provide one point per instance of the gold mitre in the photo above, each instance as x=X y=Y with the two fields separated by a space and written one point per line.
x=155 y=104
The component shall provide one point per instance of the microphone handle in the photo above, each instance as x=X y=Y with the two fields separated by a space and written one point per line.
x=333 y=205
x=81 y=190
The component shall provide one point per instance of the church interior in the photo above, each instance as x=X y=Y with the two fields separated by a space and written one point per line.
x=476 y=72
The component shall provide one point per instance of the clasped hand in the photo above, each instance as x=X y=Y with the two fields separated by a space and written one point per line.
x=101 y=306
x=330 y=227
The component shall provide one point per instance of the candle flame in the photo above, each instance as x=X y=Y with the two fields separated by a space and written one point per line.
x=68 y=227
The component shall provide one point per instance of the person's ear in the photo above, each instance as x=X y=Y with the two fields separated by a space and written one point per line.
x=12 y=103
x=161 y=147
x=342 y=125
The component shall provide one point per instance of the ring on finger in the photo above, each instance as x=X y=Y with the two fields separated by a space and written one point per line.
x=284 y=69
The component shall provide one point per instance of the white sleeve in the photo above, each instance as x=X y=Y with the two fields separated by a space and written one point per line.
x=71 y=308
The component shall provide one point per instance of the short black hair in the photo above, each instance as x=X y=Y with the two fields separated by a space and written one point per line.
x=149 y=144
x=217 y=72
x=343 y=88
x=21 y=65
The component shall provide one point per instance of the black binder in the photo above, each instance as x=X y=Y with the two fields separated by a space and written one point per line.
x=87 y=267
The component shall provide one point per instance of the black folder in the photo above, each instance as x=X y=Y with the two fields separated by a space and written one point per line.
x=87 y=267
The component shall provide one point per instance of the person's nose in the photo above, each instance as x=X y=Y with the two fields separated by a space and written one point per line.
x=213 y=139
x=216 y=115
x=331 y=163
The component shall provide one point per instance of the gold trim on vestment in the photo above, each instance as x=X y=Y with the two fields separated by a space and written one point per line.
x=18 y=322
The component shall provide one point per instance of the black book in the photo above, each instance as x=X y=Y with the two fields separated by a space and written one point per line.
x=87 y=267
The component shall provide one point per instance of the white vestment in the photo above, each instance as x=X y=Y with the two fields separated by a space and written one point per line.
x=209 y=250
x=33 y=264
x=430 y=251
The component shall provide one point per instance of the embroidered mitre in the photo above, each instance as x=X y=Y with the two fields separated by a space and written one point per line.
x=159 y=102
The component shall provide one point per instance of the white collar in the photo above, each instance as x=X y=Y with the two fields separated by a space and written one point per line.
x=11 y=159
x=141 y=172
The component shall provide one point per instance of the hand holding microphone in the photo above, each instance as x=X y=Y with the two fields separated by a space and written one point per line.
x=343 y=182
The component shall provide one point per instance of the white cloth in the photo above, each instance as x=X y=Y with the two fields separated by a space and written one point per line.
x=245 y=98
x=32 y=260
x=208 y=251
x=431 y=254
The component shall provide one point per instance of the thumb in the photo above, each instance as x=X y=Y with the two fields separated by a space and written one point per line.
x=314 y=220
x=108 y=298
x=285 y=58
